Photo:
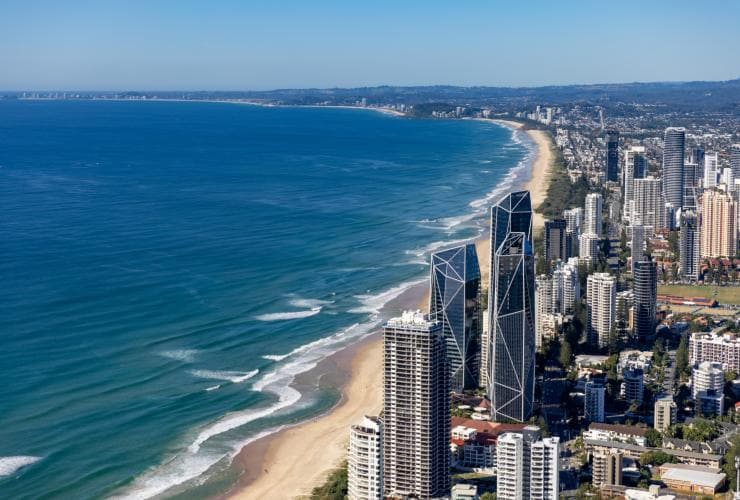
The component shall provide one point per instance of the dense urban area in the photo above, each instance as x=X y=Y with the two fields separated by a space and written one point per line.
x=600 y=356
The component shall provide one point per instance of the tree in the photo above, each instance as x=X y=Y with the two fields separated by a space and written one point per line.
x=673 y=245
x=653 y=438
x=488 y=496
x=682 y=357
x=614 y=343
x=701 y=430
x=657 y=458
x=335 y=487
x=729 y=466
x=566 y=354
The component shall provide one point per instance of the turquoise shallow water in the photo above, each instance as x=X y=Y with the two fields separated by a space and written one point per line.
x=168 y=268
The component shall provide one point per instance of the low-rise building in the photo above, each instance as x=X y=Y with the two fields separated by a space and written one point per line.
x=462 y=491
x=634 y=451
x=473 y=442
x=607 y=468
x=691 y=479
x=615 y=432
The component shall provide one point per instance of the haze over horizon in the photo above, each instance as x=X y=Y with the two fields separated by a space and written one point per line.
x=188 y=45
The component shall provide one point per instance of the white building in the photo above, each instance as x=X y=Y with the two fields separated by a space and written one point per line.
x=649 y=207
x=365 y=460
x=566 y=287
x=592 y=213
x=707 y=376
x=588 y=248
x=601 y=298
x=718 y=348
x=635 y=167
x=711 y=170
x=593 y=401
x=527 y=466
x=616 y=432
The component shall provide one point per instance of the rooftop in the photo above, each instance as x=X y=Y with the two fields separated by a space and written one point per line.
x=704 y=478
x=632 y=430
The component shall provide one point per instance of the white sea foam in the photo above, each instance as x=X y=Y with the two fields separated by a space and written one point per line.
x=11 y=465
x=283 y=316
x=184 y=355
x=275 y=357
x=372 y=304
x=230 y=376
x=309 y=303
x=213 y=388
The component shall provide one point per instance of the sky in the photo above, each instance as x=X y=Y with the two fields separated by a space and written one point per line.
x=257 y=45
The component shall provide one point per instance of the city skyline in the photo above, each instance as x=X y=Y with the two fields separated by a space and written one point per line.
x=188 y=46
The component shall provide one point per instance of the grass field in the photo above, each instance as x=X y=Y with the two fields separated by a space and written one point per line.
x=725 y=294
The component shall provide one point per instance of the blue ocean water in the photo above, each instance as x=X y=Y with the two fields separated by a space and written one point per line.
x=168 y=268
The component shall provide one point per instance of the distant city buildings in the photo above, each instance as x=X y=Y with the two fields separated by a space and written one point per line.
x=365 y=460
x=416 y=408
x=648 y=205
x=511 y=302
x=455 y=302
x=635 y=167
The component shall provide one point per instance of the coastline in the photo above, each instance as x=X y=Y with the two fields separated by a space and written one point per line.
x=291 y=462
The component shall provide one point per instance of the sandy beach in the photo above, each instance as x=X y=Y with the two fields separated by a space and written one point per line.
x=290 y=463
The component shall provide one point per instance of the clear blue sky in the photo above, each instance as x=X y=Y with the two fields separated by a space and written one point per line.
x=211 y=44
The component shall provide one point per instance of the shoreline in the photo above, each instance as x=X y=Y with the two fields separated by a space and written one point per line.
x=292 y=461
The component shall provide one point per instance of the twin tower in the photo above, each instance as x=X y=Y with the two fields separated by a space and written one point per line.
x=500 y=355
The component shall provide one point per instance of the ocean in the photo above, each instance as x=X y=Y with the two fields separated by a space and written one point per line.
x=168 y=268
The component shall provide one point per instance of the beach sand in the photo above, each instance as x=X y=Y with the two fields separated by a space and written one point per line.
x=291 y=462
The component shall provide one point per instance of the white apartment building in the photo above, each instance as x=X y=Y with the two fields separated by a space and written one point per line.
x=601 y=298
x=365 y=460
x=718 y=348
x=707 y=376
x=588 y=248
x=592 y=213
x=711 y=170
x=649 y=205
x=527 y=466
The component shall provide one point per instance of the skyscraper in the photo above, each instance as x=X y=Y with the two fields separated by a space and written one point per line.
x=566 y=288
x=673 y=161
x=635 y=167
x=573 y=224
x=365 y=460
x=689 y=246
x=735 y=160
x=601 y=298
x=543 y=305
x=612 y=155
x=455 y=301
x=527 y=466
x=588 y=248
x=697 y=155
x=556 y=246
x=711 y=170
x=637 y=244
x=690 y=183
x=592 y=218
x=718 y=224
x=633 y=384
x=645 y=286
x=649 y=207
x=416 y=408
x=511 y=309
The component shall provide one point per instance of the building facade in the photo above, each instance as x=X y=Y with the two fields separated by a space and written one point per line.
x=645 y=287
x=592 y=221
x=648 y=205
x=665 y=413
x=455 y=301
x=593 y=400
x=365 y=460
x=718 y=224
x=673 y=164
x=557 y=244
x=612 y=155
x=690 y=253
x=719 y=348
x=416 y=408
x=607 y=468
x=601 y=296
x=635 y=167
x=527 y=466
x=511 y=306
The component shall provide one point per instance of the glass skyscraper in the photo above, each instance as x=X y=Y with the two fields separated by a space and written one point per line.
x=454 y=301
x=673 y=160
x=645 y=290
x=511 y=309
x=612 y=155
